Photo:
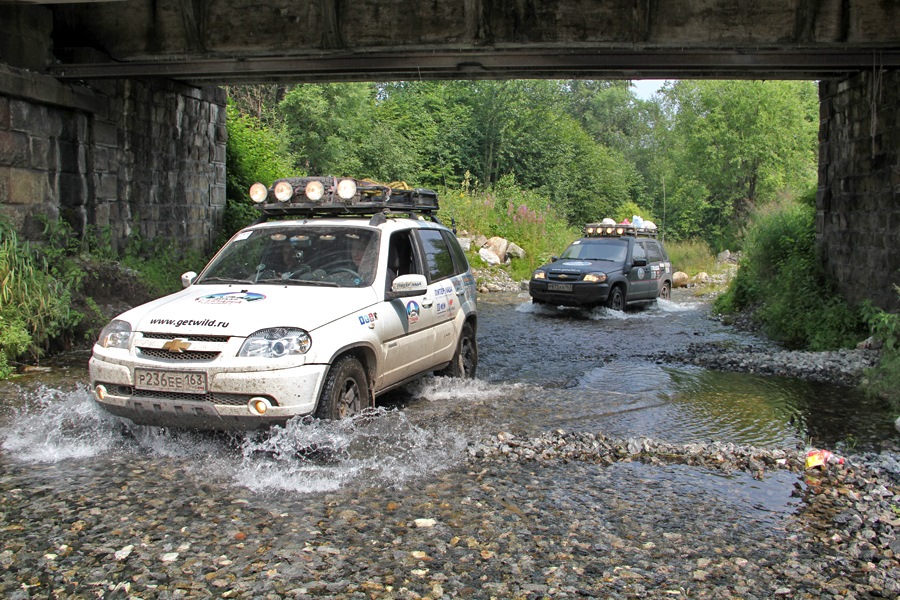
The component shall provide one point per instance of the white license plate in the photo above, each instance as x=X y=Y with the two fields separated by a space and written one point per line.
x=169 y=381
x=559 y=287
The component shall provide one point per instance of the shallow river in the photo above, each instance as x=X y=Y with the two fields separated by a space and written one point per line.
x=540 y=369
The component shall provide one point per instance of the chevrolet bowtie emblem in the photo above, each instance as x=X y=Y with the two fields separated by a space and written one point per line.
x=177 y=345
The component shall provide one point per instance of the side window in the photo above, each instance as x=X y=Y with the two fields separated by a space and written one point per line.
x=401 y=257
x=653 y=253
x=460 y=264
x=638 y=251
x=438 y=258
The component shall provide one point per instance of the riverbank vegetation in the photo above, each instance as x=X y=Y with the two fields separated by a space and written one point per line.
x=715 y=164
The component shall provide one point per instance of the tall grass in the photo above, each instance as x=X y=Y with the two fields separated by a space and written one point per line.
x=34 y=306
x=782 y=282
x=522 y=217
x=691 y=256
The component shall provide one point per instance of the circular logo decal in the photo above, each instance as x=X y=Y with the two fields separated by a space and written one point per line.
x=412 y=312
x=641 y=272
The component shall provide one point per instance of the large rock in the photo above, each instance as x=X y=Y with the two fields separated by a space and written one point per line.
x=498 y=246
x=515 y=251
x=679 y=279
x=488 y=256
x=701 y=277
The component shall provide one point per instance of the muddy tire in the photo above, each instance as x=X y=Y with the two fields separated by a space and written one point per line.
x=346 y=391
x=665 y=292
x=465 y=359
x=616 y=299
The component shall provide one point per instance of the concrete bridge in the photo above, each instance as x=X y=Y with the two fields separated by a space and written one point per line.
x=109 y=114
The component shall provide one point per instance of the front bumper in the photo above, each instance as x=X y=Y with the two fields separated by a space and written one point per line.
x=582 y=294
x=290 y=392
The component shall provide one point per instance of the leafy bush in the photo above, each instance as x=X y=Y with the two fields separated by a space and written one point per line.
x=884 y=380
x=254 y=152
x=782 y=282
x=34 y=306
x=524 y=218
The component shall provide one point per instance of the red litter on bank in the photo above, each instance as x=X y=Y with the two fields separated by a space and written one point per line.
x=820 y=458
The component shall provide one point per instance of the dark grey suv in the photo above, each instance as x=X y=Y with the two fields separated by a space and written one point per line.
x=612 y=265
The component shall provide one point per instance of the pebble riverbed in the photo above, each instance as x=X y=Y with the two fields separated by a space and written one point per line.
x=562 y=514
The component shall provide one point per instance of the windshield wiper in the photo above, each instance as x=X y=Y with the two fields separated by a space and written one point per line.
x=224 y=280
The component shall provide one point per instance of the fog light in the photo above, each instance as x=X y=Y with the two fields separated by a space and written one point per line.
x=259 y=406
x=100 y=392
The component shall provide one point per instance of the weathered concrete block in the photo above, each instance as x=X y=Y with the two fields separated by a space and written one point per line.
x=13 y=149
x=28 y=187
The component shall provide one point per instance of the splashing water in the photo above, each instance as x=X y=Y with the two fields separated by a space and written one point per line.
x=378 y=448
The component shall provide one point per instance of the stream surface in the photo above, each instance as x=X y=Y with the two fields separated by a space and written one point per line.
x=540 y=369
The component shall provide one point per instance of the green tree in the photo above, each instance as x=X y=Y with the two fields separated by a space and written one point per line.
x=735 y=145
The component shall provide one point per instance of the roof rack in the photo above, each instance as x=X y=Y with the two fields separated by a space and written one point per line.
x=620 y=229
x=333 y=197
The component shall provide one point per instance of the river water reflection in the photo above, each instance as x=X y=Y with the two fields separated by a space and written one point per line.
x=540 y=369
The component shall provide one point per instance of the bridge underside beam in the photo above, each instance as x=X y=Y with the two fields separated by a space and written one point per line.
x=496 y=64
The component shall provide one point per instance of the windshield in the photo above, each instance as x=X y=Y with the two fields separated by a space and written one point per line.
x=608 y=249
x=297 y=255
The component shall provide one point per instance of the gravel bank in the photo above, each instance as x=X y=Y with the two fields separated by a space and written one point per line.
x=846 y=367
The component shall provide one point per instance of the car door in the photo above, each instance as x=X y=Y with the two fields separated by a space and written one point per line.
x=405 y=325
x=442 y=298
x=656 y=264
x=639 y=282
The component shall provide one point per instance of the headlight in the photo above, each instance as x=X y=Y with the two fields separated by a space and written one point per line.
x=116 y=335
x=539 y=275
x=595 y=277
x=276 y=342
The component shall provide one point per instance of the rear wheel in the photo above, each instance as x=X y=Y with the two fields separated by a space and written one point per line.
x=465 y=360
x=616 y=300
x=666 y=290
x=346 y=390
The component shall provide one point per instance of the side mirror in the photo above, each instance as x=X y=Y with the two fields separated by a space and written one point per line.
x=640 y=262
x=408 y=285
x=188 y=278
x=554 y=258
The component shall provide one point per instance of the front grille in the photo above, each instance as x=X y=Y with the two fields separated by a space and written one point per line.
x=218 y=339
x=565 y=277
x=211 y=397
x=177 y=356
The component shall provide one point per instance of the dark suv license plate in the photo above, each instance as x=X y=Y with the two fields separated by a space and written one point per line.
x=170 y=381
x=559 y=287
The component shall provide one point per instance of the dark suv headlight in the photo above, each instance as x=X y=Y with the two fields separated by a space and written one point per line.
x=595 y=278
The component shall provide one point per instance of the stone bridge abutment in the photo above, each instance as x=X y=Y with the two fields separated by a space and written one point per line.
x=144 y=154
x=136 y=156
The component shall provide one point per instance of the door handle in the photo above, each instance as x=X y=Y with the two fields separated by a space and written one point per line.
x=427 y=302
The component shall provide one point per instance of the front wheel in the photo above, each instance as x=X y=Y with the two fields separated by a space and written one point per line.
x=346 y=390
x=665 y=292
x=465 y=360
x=616 y=300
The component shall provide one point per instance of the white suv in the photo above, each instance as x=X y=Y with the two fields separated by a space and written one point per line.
x=355 y=295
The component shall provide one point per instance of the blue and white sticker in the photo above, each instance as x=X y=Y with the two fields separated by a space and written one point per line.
x=230 y=298
x=412 y=312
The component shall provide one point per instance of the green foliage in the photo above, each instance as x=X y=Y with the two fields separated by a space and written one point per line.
x=781 y=280
x=884 y=380
x=523 y=217
x=34 y=306
x=159 y=264
x=254 y=152
x=691 y=256
x=732 y=146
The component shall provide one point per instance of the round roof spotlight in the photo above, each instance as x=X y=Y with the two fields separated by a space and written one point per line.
x=346 y=189
x=284 y=191
x=315 y=190
x=258 y=192
x=620 y=230
x=609 y=230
